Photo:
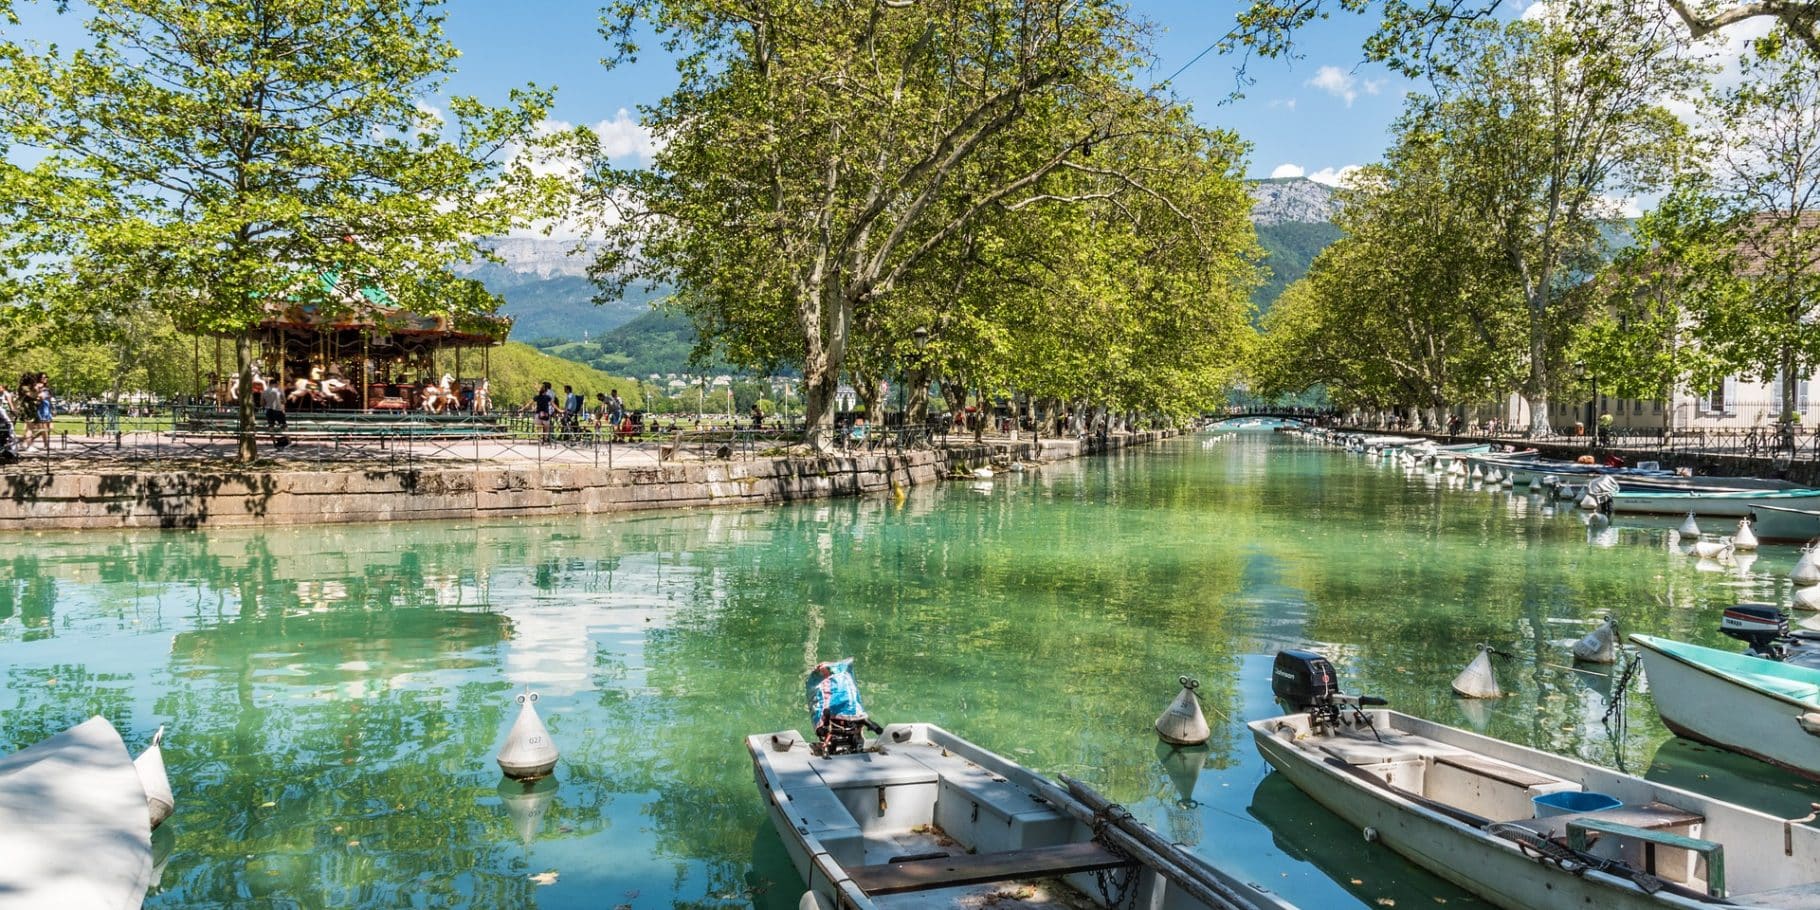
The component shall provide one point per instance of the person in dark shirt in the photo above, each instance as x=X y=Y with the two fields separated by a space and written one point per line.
x=543 y=409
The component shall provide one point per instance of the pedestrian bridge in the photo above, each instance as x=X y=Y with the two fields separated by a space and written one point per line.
x=1299 y=415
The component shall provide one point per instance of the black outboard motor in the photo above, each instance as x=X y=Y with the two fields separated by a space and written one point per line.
x=1304 y=681
x=1763 y=627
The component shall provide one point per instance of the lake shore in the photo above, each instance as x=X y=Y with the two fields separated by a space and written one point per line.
x=67 y=495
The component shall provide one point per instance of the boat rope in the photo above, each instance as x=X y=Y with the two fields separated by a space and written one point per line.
x=1567 y=859
x=1614 y=706
x=1104 y=818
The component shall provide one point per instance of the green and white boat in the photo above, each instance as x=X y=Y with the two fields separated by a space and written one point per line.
x=1765 y=709
x=1726 y=503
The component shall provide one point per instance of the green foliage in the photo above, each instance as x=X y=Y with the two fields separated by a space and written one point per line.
x=1289 y=250
x=517 y=369
x=656 y=342
x=832 y=174
x=194 y=159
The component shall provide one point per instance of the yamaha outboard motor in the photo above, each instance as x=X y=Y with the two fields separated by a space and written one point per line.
x=835 y=710
x=1761 y=626
x=1304 y=681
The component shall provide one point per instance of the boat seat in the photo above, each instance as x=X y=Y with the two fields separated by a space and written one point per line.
x=1502 y=772
x=871 y=769
x=1367 y=750
x=1647 y=817
x=982 y=868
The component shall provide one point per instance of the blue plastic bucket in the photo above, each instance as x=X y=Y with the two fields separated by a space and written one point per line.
x=1549 y=805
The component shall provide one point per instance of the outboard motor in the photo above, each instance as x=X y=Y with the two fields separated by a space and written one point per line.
x=1763 y=627
x=834 y=709
x=1304 y=681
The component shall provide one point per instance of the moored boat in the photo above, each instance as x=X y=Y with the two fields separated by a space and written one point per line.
x=921 y=817
x=1728 y=503
x=940 y=821
x=74 y=828
x=1766 y=709
x=1784 y=523
x=1523 y=828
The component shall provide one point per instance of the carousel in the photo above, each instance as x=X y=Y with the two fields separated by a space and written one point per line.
x=359 y=352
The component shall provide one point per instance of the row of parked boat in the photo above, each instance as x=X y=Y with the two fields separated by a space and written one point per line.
x=922 y=817
x=1778 y=510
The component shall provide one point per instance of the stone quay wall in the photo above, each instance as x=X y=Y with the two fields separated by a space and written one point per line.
x=227 y=497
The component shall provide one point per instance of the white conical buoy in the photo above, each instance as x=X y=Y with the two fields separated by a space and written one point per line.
x=1717 y=550
x=1182 y=723
x=1600 y=646
x=1508 y=480
x=1478 y=473
x=1690 y=529
x=1588 y=503
x=1806 y=572
x=1807 y=599
x=983 y=473
x=1745 y=539
x=159 y=802
x=529 y=753
x=1478 y=680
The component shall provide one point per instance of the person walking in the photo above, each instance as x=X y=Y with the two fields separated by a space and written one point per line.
x=616 y=408
x=543 y=409
x=271 y=398
x=39 y=408
x=571 y=412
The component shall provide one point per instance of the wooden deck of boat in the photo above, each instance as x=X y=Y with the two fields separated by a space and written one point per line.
x=983 y=868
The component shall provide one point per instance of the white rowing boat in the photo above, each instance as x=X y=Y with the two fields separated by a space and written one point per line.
x=924 y=818
x=1767 y=709
x=1523 y=828
x=1727 y=503
x=1786 y=523
x=75 y=833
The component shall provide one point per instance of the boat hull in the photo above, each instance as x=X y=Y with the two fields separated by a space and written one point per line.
x=1699 y=703
x=1727 y=505
x=1495 y=870
x=1784 y=523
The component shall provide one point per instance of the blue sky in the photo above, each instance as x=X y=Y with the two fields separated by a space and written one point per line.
x=1317 y=114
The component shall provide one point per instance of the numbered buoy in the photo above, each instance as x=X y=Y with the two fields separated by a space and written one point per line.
x=1690 y=529
x=1745 y=539
x=1478 y=680
x=1806 y=572
x=1182 y=723
x=526 y=803
x=529 y=753
x=159 y=803
x=1600 y=646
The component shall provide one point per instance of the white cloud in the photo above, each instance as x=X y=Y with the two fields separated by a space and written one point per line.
x=1334 y=176
x=624 y=137
x=1343 y=85
x=1287 y=170
x=1285 y=103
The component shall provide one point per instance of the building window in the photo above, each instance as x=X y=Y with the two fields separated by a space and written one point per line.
x=1715 y=400
x=1655 y=407
x=1637 y=406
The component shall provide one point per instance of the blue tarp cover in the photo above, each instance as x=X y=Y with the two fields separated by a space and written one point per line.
x=832 y=688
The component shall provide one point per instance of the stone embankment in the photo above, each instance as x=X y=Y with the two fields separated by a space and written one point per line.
x=221 y=496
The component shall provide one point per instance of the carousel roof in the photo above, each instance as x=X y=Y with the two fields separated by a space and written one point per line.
x=327 y=304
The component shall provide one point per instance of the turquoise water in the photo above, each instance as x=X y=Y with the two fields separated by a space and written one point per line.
x=335 y=695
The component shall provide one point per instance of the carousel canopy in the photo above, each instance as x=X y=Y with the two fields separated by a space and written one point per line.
x=350 y=313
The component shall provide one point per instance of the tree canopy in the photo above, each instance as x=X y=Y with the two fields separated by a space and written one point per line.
x=834 y=176
x=196 y=159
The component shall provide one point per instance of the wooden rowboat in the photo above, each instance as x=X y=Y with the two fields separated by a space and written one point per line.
x=1465 y=807
x=924 y=818
x=1766 y=709
x=74 y=828
x=1784 y=523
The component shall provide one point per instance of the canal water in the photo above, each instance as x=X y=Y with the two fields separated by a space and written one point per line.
x=335 y=695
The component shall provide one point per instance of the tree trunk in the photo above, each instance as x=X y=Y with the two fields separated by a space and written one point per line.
x=248 y=448
x=819 y=385
x=1536 y=394
x=916 y=413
